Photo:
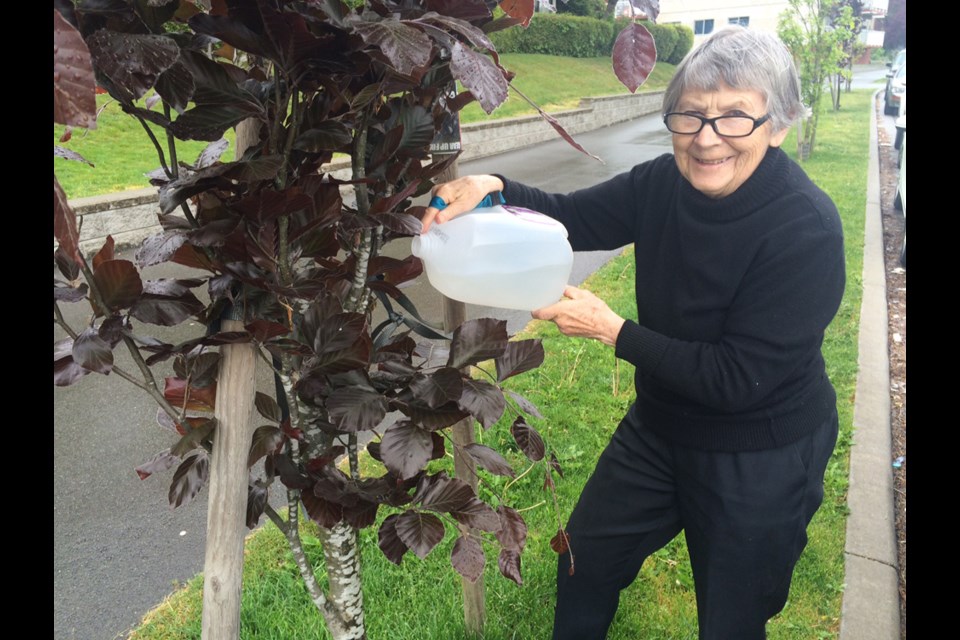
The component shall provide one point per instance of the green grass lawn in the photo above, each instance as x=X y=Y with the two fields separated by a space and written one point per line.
x=582 y=391
x=122 y=153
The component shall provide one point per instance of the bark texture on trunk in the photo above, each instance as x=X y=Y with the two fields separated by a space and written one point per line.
x=342 y=556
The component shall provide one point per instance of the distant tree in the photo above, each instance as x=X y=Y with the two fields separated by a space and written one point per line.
x=896 y=34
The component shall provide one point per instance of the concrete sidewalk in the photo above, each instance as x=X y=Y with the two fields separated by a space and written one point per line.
x=871 y=600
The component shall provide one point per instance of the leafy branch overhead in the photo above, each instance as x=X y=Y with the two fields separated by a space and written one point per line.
x=299 y=253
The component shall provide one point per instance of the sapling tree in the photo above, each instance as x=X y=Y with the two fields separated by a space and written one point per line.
x=282 y=246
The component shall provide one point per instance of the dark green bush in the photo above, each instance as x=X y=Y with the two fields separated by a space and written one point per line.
x=684 y=43
x=558 y=35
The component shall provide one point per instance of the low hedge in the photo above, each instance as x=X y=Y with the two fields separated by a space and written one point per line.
x=581 y=37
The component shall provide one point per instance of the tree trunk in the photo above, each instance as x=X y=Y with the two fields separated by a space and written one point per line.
x=342 y=556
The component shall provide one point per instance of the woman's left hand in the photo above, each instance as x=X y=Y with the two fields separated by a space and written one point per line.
x=583 y=315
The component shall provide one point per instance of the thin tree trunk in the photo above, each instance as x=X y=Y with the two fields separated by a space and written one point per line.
x=342 y=555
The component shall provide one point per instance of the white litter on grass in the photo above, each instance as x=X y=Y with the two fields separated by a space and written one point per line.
x=183 y=533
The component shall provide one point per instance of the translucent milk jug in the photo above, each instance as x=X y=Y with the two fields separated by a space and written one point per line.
x=501 y=256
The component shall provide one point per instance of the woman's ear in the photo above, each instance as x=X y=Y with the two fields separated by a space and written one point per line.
x=777 y=138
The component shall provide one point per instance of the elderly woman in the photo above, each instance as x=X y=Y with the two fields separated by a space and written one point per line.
x=740 y=269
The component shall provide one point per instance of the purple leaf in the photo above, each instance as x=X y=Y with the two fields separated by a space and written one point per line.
x=266 y=440
x=443 y=494
x=74 y=102
x=480 y=75
x=421 y=532
x=489 y=459
x=560 y=543
x=323 y=512
x=151 y=101
x=389 y=542
x=189 y=478
x=406 y=449
x=328 y=135
x=267 y=407
x=166 y=311
x=65 y=293
x=467 y=558
x=91 y=352
x=65 y=224
x=406 y=47
x=463 y=9
x=528 y=439
x=256 y=503
x=263 y=330
x=432 y=419
x=554 y=464
x=66 y=372
x=634 y=56
x=438 y=388
x=402 y=223
x=199 y=429
x=160 y=247
x=553 y=122
x=478 y=514
x=460 y=25
x=160 y=462
x=477 y=340
x=119 y=284
x=211 y=153
x=525 y=405
x=67 y=266
x=509 y=564
x=69 y=154
x=519 y=357
x=165 y=421
x=363 y=514
x=175 y=85
x=131 y=61
x=355 y=409
x=483 y=400
x=513 y=534
x=520 y=9
x=105 y=253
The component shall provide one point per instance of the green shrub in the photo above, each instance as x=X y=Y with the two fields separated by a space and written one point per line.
x=588 y=8
x=558 y=35
x=684 y=43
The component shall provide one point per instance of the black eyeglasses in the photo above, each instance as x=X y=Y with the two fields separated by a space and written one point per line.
x=726 y=126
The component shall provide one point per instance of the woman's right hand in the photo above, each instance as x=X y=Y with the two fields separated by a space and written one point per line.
x=461 y=195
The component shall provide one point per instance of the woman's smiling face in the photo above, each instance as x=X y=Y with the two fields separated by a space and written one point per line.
x=714 y=165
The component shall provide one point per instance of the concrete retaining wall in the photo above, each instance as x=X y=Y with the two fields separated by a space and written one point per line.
x=132 y=216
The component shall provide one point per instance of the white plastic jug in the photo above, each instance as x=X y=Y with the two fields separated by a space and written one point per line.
x=500 y=256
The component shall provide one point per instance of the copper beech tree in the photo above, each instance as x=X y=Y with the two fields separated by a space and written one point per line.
x=271 y=237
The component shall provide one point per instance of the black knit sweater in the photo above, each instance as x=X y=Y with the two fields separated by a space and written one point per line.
x=733 y=297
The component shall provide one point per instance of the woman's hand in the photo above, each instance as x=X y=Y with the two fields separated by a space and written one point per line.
x=583 y=315
x=461 y=195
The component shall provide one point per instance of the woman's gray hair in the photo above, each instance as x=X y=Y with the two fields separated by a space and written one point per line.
x=742 y=59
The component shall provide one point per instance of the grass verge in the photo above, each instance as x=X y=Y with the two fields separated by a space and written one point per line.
x=122 y=153
x=582 y=392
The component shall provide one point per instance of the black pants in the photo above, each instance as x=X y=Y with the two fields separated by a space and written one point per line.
x=745 y=516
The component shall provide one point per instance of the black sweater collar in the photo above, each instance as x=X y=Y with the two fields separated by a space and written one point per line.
x=763 y=186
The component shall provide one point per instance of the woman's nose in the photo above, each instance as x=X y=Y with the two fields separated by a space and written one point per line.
x=707 y=135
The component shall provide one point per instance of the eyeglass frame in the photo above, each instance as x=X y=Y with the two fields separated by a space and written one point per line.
x=757 y=123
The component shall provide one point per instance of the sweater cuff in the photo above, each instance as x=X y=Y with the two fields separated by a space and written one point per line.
x=640 y=346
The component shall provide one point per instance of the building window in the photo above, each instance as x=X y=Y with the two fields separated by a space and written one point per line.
x=702 y=27
x=743 y=21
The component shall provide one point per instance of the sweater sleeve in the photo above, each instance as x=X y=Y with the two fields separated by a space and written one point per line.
x=772 y=331
x=600 y=217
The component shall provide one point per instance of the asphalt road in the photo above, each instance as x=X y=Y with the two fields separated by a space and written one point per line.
x=119 y=549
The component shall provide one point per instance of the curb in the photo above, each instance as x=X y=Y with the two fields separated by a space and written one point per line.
x=871 y=600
